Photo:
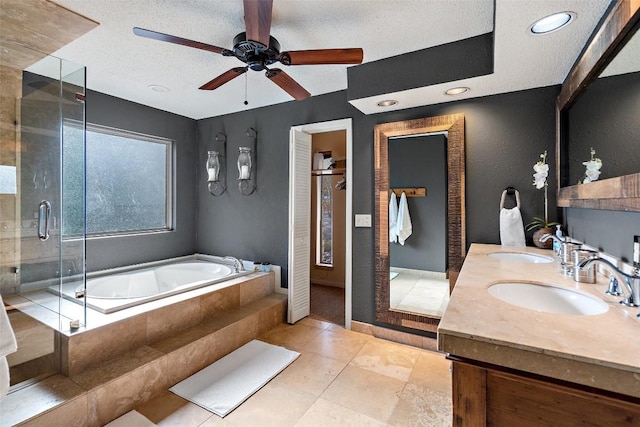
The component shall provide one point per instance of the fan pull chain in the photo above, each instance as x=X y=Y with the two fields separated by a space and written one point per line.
x=246 y=77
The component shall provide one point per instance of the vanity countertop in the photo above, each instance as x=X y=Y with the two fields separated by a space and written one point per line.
x=601 y=351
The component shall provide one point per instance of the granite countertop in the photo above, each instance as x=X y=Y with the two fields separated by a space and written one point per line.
x=601 y=351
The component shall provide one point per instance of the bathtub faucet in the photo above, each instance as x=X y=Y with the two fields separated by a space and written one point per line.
x=237 y=264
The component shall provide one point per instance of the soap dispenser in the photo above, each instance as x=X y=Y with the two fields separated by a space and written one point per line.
x=557 y=248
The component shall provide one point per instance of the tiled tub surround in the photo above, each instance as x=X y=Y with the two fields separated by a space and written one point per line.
x=601 y=351
x=119 y=364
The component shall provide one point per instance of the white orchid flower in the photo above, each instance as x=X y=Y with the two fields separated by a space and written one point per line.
x=594 y=164
x=542 y=172
x=541 y=167
x=593 y=168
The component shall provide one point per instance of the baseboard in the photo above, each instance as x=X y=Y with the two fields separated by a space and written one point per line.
x=395 y=336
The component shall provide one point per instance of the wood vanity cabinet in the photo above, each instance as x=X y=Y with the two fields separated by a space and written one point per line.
x=489 y=395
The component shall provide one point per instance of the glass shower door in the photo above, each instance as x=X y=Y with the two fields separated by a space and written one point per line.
x=46 y=249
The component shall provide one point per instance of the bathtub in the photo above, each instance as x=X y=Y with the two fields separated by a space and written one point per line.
x=113 y=290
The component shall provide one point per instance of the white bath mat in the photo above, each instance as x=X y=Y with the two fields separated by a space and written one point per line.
x=224 y=385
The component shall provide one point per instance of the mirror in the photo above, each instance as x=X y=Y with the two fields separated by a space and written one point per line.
x=453 y=127
x=597 y=108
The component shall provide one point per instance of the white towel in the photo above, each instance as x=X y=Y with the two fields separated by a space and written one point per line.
x=393 y=218
x=7 y=346
x=404 y=220
x=511 y=228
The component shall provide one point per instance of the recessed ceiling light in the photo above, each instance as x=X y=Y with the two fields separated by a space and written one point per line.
x=387 y=103
x=457 y=90
x=158 y=88
x=552 y=23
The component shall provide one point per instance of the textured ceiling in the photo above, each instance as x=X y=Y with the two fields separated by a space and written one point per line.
x=123 y=65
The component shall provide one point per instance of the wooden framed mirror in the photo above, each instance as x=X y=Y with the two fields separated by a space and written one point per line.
x=453 y=126
x=616 y=36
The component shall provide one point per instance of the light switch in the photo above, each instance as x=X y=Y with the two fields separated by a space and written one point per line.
x=363 y=220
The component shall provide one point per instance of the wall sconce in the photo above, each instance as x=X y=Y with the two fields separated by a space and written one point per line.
x=216 y=170
x=247 y=166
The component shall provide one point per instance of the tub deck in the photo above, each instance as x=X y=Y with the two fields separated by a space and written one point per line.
x=110 y=368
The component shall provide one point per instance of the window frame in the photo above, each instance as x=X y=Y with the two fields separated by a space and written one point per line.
x=169 y=145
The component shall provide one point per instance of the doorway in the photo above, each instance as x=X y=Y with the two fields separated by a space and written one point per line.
x=302 y=234
x=328 y=201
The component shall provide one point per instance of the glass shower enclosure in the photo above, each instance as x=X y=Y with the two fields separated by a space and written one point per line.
x=42 y=205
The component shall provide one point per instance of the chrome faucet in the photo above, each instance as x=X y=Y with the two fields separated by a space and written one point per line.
x=558 y=248
x=546 y=237
x=237 y=264
x=629 y=284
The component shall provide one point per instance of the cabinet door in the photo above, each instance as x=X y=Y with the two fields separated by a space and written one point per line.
x=493 y=397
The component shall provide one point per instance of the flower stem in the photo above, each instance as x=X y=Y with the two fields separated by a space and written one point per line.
x=546 y=219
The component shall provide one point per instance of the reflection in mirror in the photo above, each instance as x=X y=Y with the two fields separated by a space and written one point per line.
x=606 y=117
x=418 y=264
x=592 y=116
x=386 y=136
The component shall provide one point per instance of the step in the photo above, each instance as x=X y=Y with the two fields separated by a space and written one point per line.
x=102 y=393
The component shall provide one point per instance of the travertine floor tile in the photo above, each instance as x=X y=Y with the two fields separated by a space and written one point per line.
x=365 y=391
x=131 y=419
x=432 y=371
x=310 y=373
x=216 y=421
x=394 y=360
x=315 y=323
x=273 y=405
x=338 y=345
x=420 y=406
x=342 y=378
x=169 y=409
x=325 y=413
x=293 y=337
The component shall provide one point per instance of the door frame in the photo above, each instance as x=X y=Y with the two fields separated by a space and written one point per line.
x=347 y=126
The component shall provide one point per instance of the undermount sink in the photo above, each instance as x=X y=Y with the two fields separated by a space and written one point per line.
x=521 y=256
x=548 y=299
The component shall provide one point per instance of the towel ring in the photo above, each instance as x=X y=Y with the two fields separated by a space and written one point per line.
x=507 y=191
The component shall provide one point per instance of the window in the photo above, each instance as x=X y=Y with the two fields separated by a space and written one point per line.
x=324 y=242
x=128 y=181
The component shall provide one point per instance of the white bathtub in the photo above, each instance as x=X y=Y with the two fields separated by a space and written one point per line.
x=113 y=290
x=149 y=282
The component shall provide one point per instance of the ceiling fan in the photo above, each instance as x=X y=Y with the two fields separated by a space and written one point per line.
x=258 y=49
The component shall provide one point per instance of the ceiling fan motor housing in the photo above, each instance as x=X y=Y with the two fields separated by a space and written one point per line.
x=256 y=55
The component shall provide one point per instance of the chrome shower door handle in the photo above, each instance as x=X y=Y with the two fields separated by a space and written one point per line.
x=44 y=213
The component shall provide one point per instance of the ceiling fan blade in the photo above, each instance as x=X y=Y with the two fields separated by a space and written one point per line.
x=257 y=20
x=177 y=40
x=321 y=56
x=287 y=84
x=223 y=78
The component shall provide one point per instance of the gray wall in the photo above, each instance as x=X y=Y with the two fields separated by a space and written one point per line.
x=505 y=134
x=609 y=231
x=421 y=162
x=108 y=252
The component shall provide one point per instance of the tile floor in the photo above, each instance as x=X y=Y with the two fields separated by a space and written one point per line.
x=418 y=291
x=342 y=378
